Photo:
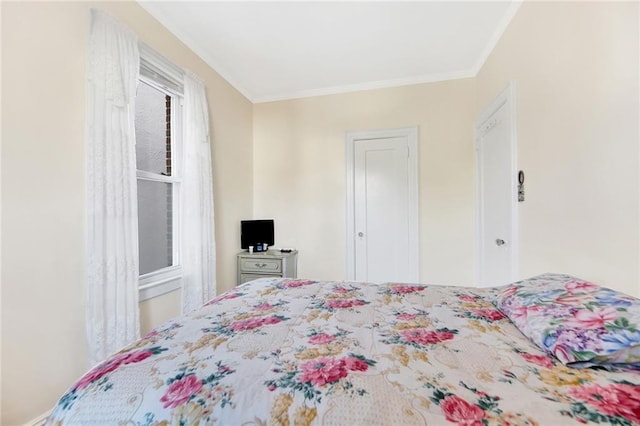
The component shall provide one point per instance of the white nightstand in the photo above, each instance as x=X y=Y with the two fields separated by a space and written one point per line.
x=272 y=263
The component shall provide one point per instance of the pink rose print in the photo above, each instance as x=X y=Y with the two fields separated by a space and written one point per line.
x=580 y=286
x=97 y=373
x=615 y=400
x=575 y=299
x=136 y=356
x=251 y=323
x=340 y=290
x=222 y=297
x=540 y=360
x=406 y=317
x=406 y=289
x=131 y=357
x=509 y=292
x=246 y=324
x=586 y=319
x=323 y=370
x=343 y=303
x=263 y=307
x=519 y=313
x=152 y=333
x=355 y=364
x=321 y=339
x=467 y=298
x=490 y=314
x=270 y=320
x=563 y=353
x=181 y=391
x=426 y=337
x=296 y=283
x=459 y=411
x=111 y=365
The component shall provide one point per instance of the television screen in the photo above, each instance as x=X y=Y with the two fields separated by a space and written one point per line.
x=253 y=232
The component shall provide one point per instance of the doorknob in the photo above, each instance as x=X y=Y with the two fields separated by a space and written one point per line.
x=360 y=234
x=500 y=242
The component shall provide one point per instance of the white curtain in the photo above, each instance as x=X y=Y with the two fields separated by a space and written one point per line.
x=112 y=222
x=198 y=239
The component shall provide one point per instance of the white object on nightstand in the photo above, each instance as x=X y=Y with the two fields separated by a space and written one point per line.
x=270 y=263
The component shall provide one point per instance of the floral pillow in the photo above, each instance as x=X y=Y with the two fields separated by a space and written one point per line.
x=581 y=323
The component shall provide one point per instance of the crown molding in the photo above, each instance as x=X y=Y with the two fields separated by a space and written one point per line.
x=334 y=90
x=193 y=46
x=381 y=84
x=497 y=35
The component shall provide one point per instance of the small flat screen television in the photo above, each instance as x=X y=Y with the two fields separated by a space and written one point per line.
x=254 y=232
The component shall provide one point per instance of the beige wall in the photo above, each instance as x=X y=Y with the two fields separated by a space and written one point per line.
x=578 y=142
x=299 y=173
x=156 y=311
x=43 y=121
x=576 y=69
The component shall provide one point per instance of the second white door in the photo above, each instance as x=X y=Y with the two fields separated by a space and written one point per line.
x=497 y=192
x=385 y=209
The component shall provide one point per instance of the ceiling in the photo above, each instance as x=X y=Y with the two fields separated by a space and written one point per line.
x=281 y=50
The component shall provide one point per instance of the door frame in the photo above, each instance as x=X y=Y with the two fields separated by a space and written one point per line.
x=506 y=97
x=411 y=133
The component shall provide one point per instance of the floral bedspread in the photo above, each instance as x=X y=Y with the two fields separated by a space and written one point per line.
x=282 y=351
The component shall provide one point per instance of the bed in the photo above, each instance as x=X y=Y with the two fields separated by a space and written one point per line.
x=288 y=351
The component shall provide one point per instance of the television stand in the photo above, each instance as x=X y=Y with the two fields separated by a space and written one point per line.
x=266 y=264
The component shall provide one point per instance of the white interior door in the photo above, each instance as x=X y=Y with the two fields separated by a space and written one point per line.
x=384 y=231
x=497 y=193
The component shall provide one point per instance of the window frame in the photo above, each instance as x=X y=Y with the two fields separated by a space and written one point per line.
x=162 y=75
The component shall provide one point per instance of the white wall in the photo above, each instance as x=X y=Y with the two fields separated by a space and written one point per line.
x=43 y=121
x=300 y=181
x=576 y=69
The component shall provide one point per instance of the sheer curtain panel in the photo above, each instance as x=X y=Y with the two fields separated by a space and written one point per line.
x=112 y=217
x=198 y=239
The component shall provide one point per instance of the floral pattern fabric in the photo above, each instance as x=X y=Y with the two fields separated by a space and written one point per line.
x=580 y=323
x=281 y=351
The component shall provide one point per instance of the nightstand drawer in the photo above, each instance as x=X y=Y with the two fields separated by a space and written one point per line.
x=261 y=265
x=272 y=263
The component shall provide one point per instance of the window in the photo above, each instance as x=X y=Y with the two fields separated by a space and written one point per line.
x=158 y=128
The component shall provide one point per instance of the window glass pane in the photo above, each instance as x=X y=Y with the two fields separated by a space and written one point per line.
x=155 y=230
x=153 y=130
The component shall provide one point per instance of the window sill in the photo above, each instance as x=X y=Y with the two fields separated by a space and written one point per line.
x=159 y=282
